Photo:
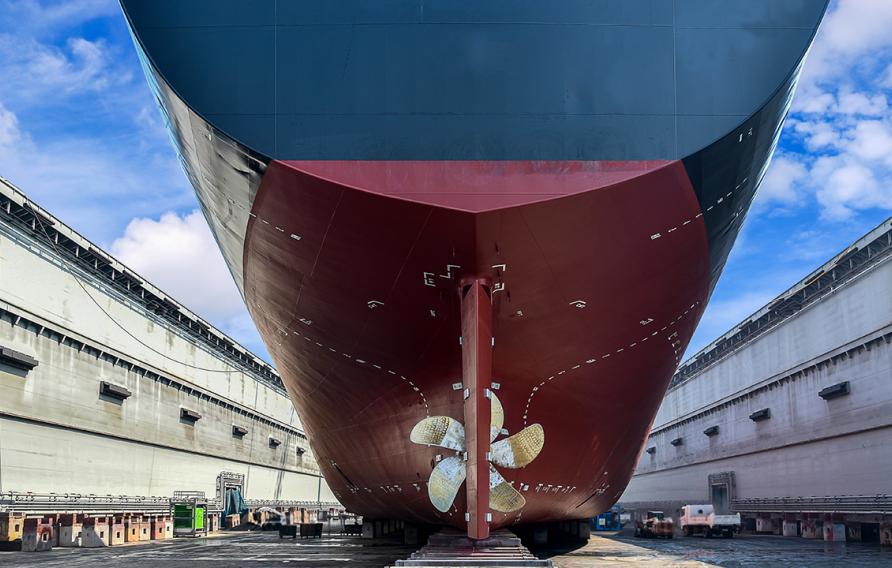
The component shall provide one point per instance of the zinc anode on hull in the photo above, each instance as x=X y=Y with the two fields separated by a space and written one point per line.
x=594 y=189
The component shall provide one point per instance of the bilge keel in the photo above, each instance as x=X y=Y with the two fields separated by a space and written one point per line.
x=475 y=236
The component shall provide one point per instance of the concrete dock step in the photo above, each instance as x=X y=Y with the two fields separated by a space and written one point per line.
x=451 y=548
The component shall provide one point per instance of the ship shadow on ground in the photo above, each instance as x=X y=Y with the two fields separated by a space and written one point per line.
x=557 y=545
x=622 y=548
x=618 y=548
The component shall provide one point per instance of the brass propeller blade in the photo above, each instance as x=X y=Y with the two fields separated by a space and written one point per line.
x=520 y=449
x=445 y=481
x=440 y=431
x=503 y=497
x=497 y=417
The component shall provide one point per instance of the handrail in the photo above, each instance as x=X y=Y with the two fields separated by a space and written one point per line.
x=23 y=502
x=881 y=503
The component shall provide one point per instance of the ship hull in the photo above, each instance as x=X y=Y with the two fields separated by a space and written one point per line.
x=587 y=169
x=590 y=316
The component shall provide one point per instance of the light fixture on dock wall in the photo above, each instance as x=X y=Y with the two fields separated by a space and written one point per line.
x=113 y=391
x=677 y=442
x=239 y=431
x=274 y=442
x=17 y=359
x=711 y=431
x=761 y=415
x=189 y=415
x=835 y=391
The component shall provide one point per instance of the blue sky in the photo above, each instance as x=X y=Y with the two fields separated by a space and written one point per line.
x=79 y=132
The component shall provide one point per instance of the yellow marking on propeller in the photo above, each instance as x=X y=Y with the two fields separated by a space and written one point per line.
x=520 y=449
x=502 y=495
x=445 y=481
x=440 y=431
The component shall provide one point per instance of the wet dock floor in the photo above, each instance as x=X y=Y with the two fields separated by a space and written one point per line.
x=224 y=550
x=243 y=549
x=623 y=549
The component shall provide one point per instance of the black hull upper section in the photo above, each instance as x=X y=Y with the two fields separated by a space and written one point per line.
x=726 y=174
x=617 y=80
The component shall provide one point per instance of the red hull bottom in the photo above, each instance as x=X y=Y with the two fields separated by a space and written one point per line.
x=598 y=272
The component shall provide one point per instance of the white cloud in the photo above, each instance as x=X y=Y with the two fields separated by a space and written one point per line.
x=782 y=182
x=818 y=134
x=178 y=254
x=886 y=78
x=93 y=183
x=34 y=16
x=849 y=165
x=871 y=141
x=846 y=186
x=10 y=133
x=851 y=30
x=65 y=136
x=81 y=135
x=84 y=181
x=841 y=115
x=863 y=104
x=32 y=70
x=811 y=99
x=854 y=35
x=856 y=26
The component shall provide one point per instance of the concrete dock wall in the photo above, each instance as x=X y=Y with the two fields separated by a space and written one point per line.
x=856 y=310
x=37 y=281
x=64 y=390
x=771 y=436
x=43 y=459
x=180 y=386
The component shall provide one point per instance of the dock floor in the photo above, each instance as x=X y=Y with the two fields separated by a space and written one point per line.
x=610 y=550
x=249 y=549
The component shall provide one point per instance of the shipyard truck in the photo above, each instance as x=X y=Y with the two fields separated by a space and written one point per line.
x=702 y=519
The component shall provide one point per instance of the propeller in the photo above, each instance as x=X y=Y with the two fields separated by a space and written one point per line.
x=445 y=481
x=449 y=474
x=503 y=497
x=440 y=431
x=520 y=449
x=496 y=416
